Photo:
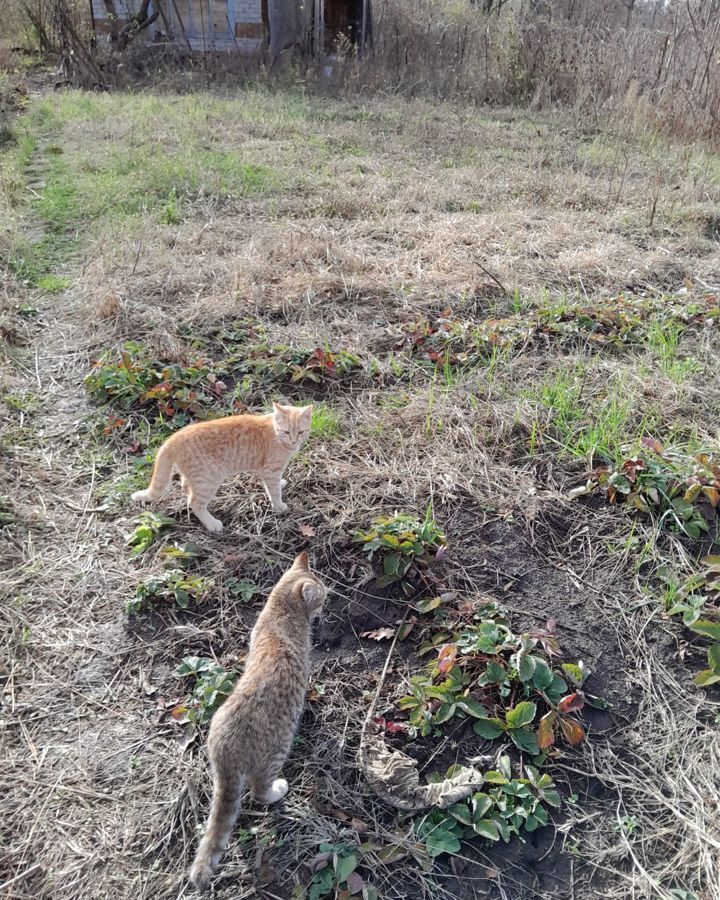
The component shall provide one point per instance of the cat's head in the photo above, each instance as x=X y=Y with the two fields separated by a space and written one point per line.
x=306 y=591
x=292 y=424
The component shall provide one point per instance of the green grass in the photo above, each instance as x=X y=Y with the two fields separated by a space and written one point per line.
x=587 y=427
x=663 y=338
x=326 y=422
x=53 y=284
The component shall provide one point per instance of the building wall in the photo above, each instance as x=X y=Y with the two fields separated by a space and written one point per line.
x=208 y=24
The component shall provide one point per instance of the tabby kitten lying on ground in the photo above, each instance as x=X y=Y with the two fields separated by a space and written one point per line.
x=207 y=453
x=251 y=734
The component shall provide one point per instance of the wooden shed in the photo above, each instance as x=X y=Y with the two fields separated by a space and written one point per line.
x=196 y=24
x=241 y=25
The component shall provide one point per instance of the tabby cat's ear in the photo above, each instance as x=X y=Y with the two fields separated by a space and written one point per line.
x=311 y=593
x=302 y=562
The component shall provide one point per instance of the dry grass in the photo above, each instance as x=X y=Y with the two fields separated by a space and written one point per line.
x=366 y=217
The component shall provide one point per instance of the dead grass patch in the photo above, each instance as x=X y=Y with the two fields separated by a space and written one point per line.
x=367 y=228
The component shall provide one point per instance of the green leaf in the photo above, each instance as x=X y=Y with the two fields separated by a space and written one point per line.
x=472 y=707
x=707 y=677
x=487 y=829
x=444 y=712
x=524 y=740
x=495 y=673
x=709 y=629
x=495 y=777
x=526 y=667
x=391 y=563
x=713 y=656
x=543 y=677
x=344 y=865
x=480 y=803
x=551 y=796
x=575 y=672
x=441 y=841
x=426 y=606
x=461 y=812
x=520 y=715
x=489 y=728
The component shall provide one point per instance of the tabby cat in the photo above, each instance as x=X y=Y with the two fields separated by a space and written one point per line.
x=251 y=734
x=207 y=453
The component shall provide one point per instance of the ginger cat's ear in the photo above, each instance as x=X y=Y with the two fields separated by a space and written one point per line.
x=306 y=412
x=278 y=410
x=302 y=562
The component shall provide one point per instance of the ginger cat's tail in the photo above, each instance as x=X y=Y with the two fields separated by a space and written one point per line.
x=160 y=481
x=227 y=793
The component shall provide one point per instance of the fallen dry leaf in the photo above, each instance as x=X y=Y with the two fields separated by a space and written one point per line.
x=382 y=634
x=307 y=531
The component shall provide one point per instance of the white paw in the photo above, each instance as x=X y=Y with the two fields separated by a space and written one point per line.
x=283 y=482
x=280 y=508
x=213 y=524
x=140 y=497
x=277 y=791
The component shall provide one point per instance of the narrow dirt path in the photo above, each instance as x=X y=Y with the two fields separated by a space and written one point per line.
x=78 y=750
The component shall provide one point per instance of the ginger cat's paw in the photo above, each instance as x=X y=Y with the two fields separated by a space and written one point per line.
x=280 y=508
x=141 y=497
x=214 y=525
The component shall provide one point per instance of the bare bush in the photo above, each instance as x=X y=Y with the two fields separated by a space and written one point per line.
x=644 y=63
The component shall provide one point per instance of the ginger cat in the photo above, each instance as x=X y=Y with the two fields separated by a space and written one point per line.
x=252 y=732
x=207 y=453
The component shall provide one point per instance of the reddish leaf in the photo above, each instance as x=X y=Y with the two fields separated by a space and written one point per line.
x=307 y=531
x=358 y=825
x=132 y=447
x=355 y=884
x=713 y=495
x=446 y=657
x=546 y=730
x=573 y=731
x=391 y=727
x=405 y=629
x=654 y=445
x=571 y=703
x=631 y=467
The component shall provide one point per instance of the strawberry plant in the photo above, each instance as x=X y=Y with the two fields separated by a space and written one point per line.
x=679 y=490
x=622 y=320
x=134 y=379
x=502 y=680
x=174 y=586
x=334 y=874
x=407 y=548
x=213 y=685
x=507 y=808
x=149 y=528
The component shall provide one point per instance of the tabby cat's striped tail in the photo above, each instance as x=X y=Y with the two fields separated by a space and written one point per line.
x=223 y=815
